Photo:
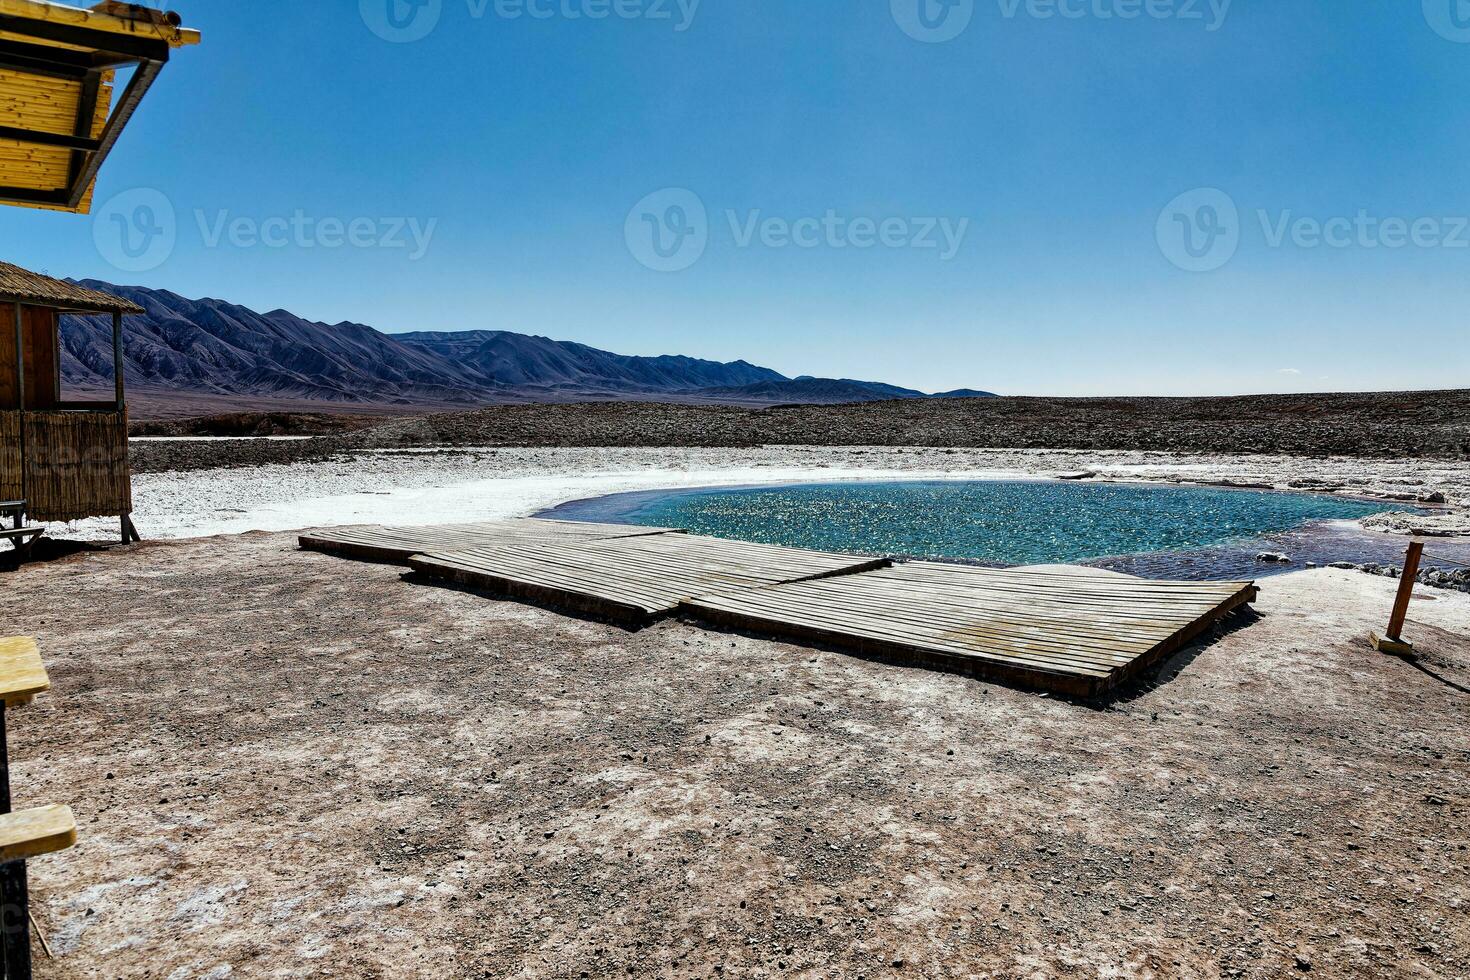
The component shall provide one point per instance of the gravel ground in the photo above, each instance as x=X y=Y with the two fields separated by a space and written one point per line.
x=285 y=765
x=1410 y=425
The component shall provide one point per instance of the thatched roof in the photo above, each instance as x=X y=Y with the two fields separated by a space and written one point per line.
x=34 y=289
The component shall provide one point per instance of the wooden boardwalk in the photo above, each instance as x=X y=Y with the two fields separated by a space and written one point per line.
x=395 y=545
x=1072 y=630
x=1076 y=631
x=633 y=580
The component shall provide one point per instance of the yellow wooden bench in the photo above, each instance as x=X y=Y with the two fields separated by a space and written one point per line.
x=28 y=833
x=22 y=675
x=25 y=834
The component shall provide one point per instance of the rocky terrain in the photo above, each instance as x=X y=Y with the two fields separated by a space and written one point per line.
x=1404 y=426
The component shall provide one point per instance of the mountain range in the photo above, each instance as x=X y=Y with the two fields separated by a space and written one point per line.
x=211 y=347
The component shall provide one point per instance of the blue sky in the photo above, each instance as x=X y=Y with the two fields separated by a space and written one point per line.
x=801 y=160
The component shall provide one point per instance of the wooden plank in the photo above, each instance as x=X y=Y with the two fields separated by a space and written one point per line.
x=396 y=545
x=22 y=674
x=633 y=580
x=1080 y=634
x=26 y=834
x=96 y=20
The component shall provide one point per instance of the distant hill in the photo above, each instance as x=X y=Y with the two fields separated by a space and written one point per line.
x=813 y=391
x=209 y=347
x=965 y=393
x=505 y=359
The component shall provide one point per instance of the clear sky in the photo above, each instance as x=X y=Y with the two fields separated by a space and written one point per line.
x=1049 y=197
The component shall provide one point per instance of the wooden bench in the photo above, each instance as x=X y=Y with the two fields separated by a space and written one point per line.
x=22 y=675
x=26 y=834
x=20 y=535
x=29 y=833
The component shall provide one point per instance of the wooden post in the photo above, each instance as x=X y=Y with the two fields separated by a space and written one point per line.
x=129 y=534
x=117 y=360
x=1393 y=642
x=20 y=394
x=14 y=902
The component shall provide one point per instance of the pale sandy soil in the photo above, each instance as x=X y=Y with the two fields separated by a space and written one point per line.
x=443 y=485
x=285 y=765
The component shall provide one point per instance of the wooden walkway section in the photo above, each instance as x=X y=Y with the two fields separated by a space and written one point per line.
x=633 y=580
x=1072 y=630
x=1075 y=631
x=396 y=545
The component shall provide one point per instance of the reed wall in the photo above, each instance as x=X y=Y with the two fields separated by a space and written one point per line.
x=76 y=464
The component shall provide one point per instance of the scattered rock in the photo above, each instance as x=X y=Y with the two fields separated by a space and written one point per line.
x=1273 y=558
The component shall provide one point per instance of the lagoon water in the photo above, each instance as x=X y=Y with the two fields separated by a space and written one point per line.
x=1202 y=531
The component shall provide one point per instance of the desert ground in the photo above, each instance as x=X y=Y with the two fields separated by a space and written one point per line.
x=285 y=764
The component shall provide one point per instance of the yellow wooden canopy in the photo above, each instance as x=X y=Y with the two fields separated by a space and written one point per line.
x=57 y=68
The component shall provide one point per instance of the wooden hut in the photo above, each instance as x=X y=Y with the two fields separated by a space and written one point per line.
x=59 y=120
x=59 y=460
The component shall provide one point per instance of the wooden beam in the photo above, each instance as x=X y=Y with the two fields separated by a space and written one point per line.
x=134 y=47
x=86 y=120
x=41 y=59
x=39 y=137
x=56 y=13
x=138 y=86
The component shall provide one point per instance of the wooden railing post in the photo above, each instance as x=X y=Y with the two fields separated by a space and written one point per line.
x=1393 y=642
x=20 y=393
